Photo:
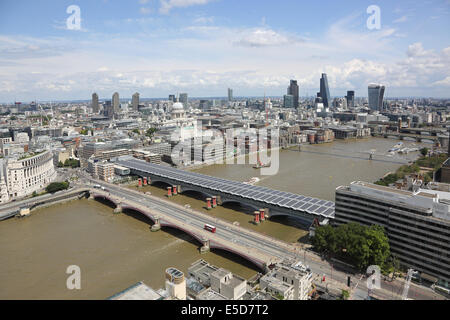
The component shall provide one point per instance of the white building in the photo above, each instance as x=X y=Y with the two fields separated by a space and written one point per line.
x=23 y=176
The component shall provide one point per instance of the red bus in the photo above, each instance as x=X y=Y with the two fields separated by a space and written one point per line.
x=210 y=228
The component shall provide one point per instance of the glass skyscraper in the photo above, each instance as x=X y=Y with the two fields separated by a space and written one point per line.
x=293 y=90
x=350 y=99
x=325 y=91
x=376 y=95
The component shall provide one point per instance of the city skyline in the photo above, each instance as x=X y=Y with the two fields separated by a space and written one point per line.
x=189 y=46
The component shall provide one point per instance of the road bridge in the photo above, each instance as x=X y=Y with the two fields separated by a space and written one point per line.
x=275 y=202
x=12 y=209
x=227 y=237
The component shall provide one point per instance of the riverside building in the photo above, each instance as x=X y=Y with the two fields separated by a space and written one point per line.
x=23 y=176
x=416 y=223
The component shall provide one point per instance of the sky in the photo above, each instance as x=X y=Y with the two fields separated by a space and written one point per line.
x=203 y=47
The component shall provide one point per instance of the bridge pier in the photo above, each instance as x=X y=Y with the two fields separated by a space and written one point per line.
x=262 y=214
x=256 y=214
x=118 y=209
x=91 y=197
x=208 y=204
x=169 y=192
x=149 y=181
x=214 y=201
x=175 y=191
x=139 y=182
x=145 y=181
x=205 y=248
x=156 y=226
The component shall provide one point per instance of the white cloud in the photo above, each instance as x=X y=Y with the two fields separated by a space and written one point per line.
x=261 y=37
x=145 y=10
x=401 y=19
x=167 y=5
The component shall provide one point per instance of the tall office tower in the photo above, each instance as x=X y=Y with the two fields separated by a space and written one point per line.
x=116 y=102
x=288 y=101
x=135 y=101
x=108 y=109
x=350 y=99
x=172 y=98
x=325 y=91
x=293 y=90
x=94 y=104
x=184 y=99
x=376 y=95
x=230 y=94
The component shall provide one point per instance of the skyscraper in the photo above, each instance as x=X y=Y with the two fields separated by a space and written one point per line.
x=172 y=98
x=94 y=104
x=184 y=99
x=230 y=94
x=293 y=90
x=350 y=99
x=288 y=101
x=116 y=102
x=376 y=95
x=135 y=101
x=325 y=91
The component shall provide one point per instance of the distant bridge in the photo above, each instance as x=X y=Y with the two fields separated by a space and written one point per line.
x=277 y=202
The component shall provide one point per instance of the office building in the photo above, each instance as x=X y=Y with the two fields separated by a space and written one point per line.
x=416 y=223
x=172 y=98
x=293 y=90
x=116 y=102
x=135 y=102
x=184 y=99
x=376 y=95
x=288 y=101
x=175 y=284
x=325 y=91
x=94 y=104
x=350 y=99
x=230 y=94
x=23 y=176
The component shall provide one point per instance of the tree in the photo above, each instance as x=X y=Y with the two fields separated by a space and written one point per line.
x=355 y=243
x=424 y=151
x=345 y=294
x=136 y=131
x=60 y=164
x=57 y=186
x=150 y=132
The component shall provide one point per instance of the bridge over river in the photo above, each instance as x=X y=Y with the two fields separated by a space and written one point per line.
x=275 y=202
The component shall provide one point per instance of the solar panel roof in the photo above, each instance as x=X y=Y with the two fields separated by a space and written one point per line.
x=276 y=197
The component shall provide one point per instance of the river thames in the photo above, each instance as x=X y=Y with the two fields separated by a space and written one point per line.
x=116 y=251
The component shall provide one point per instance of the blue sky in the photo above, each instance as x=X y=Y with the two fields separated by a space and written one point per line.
x=160 y=47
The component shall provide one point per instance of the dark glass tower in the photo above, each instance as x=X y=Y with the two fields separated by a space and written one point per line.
x=350 y=99
x=325 y=91
x=293 y=90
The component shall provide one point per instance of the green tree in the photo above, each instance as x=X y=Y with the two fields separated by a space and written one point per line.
x=355 y=243
x=424 y=151
x=57 y=186
x=60 y=164
x=150 y=132
x=345 y=295
x=136 y=131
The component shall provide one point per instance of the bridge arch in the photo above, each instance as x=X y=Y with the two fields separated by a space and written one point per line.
x=105 y=198
x=160 y=183
x=257 y=263
x=186 y=190
x=242 y=203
